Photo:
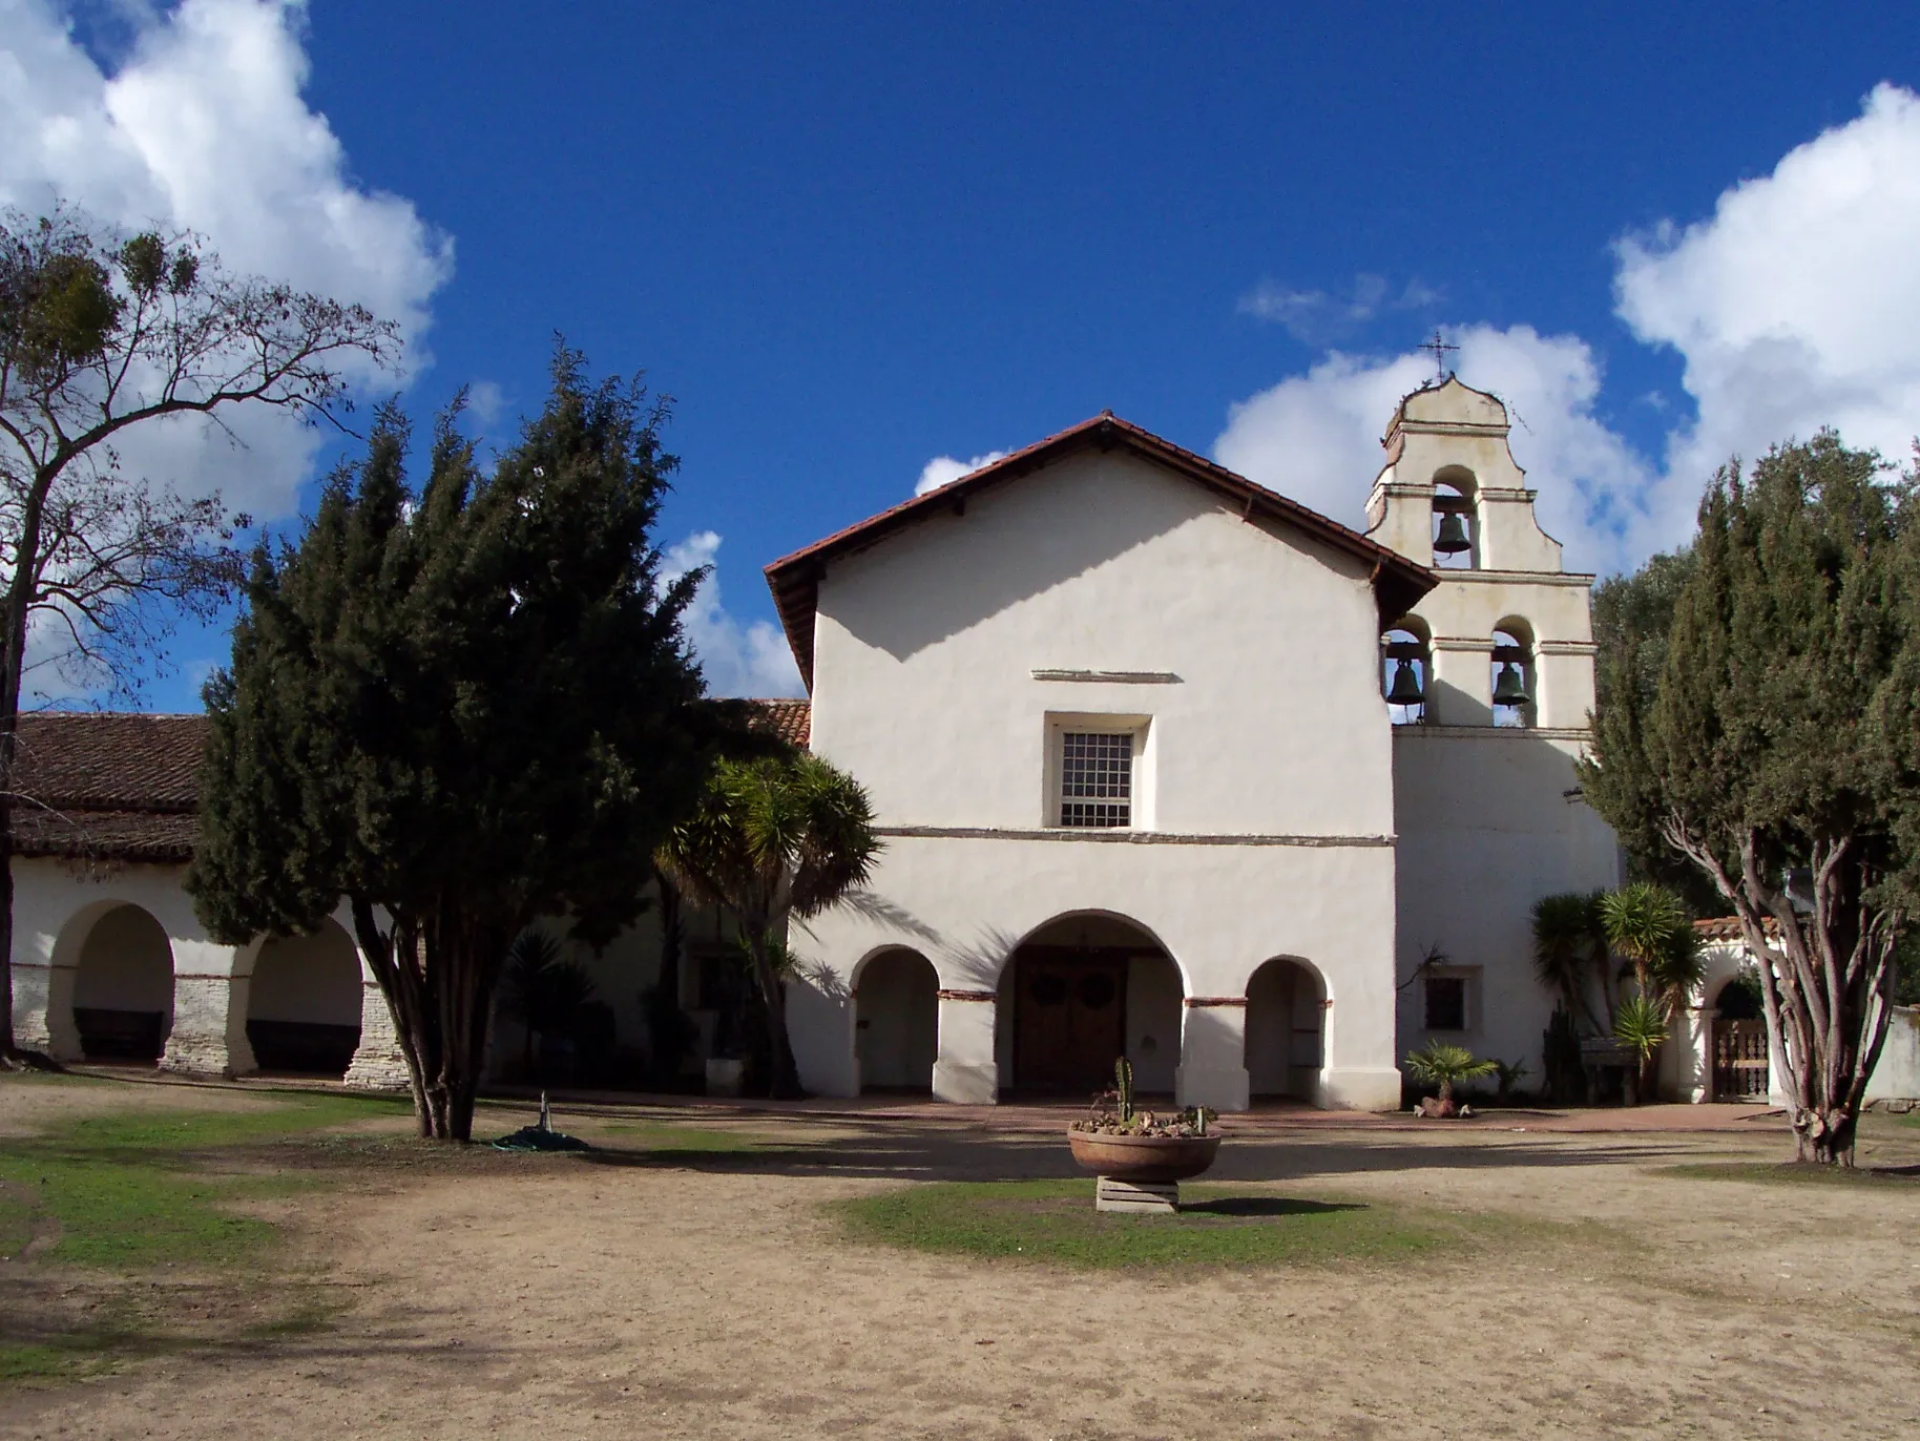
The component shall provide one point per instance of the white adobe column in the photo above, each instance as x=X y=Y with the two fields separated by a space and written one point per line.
x=43 y=1007
x=209 y=1032
x=965 y=1069
x=1694 y=1028
x=378 y=1064
x=1461 y=691
x=1213 y=1054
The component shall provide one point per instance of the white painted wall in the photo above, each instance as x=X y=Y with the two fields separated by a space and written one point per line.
x=926 y=644
x=1897 y=1076
x=1271 y=762
x=1486 y=829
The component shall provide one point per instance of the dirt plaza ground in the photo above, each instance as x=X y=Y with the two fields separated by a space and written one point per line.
x=1599 y=1274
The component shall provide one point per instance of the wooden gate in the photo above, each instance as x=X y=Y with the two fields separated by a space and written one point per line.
x=1740 y=1066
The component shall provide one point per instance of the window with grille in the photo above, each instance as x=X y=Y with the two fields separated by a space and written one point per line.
x=1096 y=778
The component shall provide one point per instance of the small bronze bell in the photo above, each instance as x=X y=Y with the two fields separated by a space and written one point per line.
x=1453 y=535
x=1405 y=689
x=1511 y=687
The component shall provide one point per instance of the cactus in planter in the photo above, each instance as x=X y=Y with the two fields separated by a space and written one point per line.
x=1123 y=1088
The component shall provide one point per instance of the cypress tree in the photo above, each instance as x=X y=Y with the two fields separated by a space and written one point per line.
x=1778 y=748
x=460 y=711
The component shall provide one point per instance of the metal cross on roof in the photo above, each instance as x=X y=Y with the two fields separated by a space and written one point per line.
x=1439 y=347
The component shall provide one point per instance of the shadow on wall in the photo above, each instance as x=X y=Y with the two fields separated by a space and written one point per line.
x=1056 y=533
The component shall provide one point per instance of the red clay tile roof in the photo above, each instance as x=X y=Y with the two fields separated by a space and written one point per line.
x=1728 y=928
x=99 y=786
x=107 y=785
x=795 y=579
x=791 y=720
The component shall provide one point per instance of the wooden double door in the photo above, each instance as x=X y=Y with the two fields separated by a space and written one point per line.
x=1069 y=1017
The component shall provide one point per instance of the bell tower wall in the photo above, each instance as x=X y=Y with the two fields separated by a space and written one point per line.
x=1487 y=808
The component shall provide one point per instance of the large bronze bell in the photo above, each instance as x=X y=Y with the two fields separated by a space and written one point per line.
x=1511 y=687
x=1453 y=535
x=1405 y=689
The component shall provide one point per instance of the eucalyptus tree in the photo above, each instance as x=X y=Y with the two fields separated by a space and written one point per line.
x=1778 y=753
x=102 y=333
x=774 y=837
x=462 y=711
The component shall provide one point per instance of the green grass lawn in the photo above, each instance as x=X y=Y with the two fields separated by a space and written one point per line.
x=1218 y=1225
x=131 y=1194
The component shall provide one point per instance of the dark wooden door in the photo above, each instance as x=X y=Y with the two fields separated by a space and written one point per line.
x=1070 y=1017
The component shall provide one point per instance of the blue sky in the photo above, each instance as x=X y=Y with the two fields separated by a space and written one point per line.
x=852 y=240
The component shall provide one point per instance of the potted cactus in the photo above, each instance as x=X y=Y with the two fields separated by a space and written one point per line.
x=1119 y=1142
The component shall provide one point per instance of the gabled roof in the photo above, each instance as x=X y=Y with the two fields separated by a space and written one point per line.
x=795 y=579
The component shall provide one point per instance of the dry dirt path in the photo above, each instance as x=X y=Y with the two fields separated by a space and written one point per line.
x=545 y=1298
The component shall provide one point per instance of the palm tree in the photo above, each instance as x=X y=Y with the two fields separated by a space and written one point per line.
x=544 y=994
x=1648 y=925
x=1568 y=947
x=773 y=838
x=1443 y=1065
x=1640 y=921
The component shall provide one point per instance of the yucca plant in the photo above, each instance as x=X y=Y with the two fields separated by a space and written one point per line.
x=1641 y=1026
x=1642 y=922
x=1445 y=1066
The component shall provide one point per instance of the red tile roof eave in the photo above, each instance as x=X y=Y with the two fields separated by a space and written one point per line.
x=794 y=579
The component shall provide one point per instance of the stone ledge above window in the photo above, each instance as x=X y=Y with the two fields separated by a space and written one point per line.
x=1109 y=677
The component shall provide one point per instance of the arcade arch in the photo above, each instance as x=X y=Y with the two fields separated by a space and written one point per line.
x=1286 y=1029
x=1079 y=992
x=123 y=985
x=303 y=1005
x=896 y=1021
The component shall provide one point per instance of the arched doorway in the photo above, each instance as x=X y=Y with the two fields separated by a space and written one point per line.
x=123 y=988
x=1741 y=1068
x=1286 y=1015
x=303 y=1007
x=1077 y=994
x=897 y=1022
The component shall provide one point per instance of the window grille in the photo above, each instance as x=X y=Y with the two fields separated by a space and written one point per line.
x=1096 y=778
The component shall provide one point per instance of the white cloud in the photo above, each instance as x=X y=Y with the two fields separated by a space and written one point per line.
x=945 y=469
x=486 y=401
x=1795 y=305
x=1316 y=437
x=1317 y=317
x=203 y=127
x=738 y=660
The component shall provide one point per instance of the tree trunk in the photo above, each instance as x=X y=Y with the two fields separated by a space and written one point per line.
x=13 y=661
x=438 y=978
x=785 y=1081
x=1826 y=982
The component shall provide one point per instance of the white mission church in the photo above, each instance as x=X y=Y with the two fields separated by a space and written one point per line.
x=1145 y=783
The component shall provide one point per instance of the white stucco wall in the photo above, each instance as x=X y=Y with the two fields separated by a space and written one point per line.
x=1269 y=762
x=926 y=644
x=1487 y=828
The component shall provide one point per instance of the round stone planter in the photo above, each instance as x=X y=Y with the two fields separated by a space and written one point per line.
x=1143 y=1160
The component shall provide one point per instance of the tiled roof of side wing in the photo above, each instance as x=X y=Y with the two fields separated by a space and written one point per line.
x=125 y=786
